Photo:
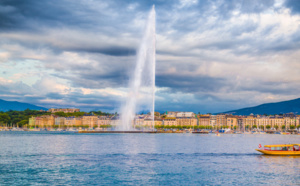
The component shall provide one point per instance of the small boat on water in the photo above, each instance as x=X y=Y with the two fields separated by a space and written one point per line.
x=280 y=150
x=200 y=132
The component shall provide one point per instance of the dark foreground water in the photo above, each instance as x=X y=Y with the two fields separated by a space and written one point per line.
x=32 y=158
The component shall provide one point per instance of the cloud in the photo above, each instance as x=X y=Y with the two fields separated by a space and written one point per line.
x=293 y=5
x=211 y=55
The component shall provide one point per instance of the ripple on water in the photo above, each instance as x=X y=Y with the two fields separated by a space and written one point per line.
x=72 y=159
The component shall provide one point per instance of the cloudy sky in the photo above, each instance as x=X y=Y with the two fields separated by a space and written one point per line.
x=212 y=56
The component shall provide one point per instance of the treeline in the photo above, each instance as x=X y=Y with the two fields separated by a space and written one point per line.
x=21 y=118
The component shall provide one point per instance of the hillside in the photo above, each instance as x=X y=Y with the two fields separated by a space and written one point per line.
x=270 y=108
x=14 y=105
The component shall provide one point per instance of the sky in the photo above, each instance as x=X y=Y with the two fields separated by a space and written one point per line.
x=211 y=56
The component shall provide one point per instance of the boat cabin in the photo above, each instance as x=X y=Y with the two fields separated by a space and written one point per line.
x=287 y=147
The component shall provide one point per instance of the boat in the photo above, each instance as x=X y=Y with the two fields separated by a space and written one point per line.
x=72 y=130
x=280 y=150
x=200 y=132
x=33 y=129
x=238 y=132
x=224 y=130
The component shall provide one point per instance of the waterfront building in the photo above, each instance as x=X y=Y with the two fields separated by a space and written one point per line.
x=31 y=122
x=250 y=122
x=213 y=121
x=171 y=114
x=65 y=110
x=115 y=121
x=185 y=115
x=73 y=121
x=139 y=120
x=290 y=121
x=59 y=121
x=204 y=120
x=276 y=122
x=170 y=121
x=148 y=122
x=262 y=122
x=186 y=121
x=240 y=124
x=103 y=120
x=221 y=120
x=90 y=121
x=231 y=122
x=44 y=121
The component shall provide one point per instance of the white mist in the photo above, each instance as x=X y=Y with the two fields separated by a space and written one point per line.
x=141 y=93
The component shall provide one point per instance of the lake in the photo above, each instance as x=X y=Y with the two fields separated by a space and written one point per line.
x=50 y=158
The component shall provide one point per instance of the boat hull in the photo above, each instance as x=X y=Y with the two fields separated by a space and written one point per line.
x=279 y=153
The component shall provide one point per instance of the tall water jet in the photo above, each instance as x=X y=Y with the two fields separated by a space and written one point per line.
x=141 y=93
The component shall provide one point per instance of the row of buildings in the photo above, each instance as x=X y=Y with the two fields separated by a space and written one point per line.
x=240 y=123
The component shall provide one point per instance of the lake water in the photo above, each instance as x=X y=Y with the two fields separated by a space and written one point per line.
x=42 y=158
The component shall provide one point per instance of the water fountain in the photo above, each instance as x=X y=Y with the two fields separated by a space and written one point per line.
x=142 y=84
x=141 y=93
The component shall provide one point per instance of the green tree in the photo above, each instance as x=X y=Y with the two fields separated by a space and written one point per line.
x=292 y=127
x=268 y=126
x=282 y=127
x=276 y=127
x=23 y=123
x=4 y=118
x=60 y=114
x=254 y=126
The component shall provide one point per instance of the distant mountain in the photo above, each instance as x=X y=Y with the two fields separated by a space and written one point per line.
x=14 y=105
x=270 y=108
